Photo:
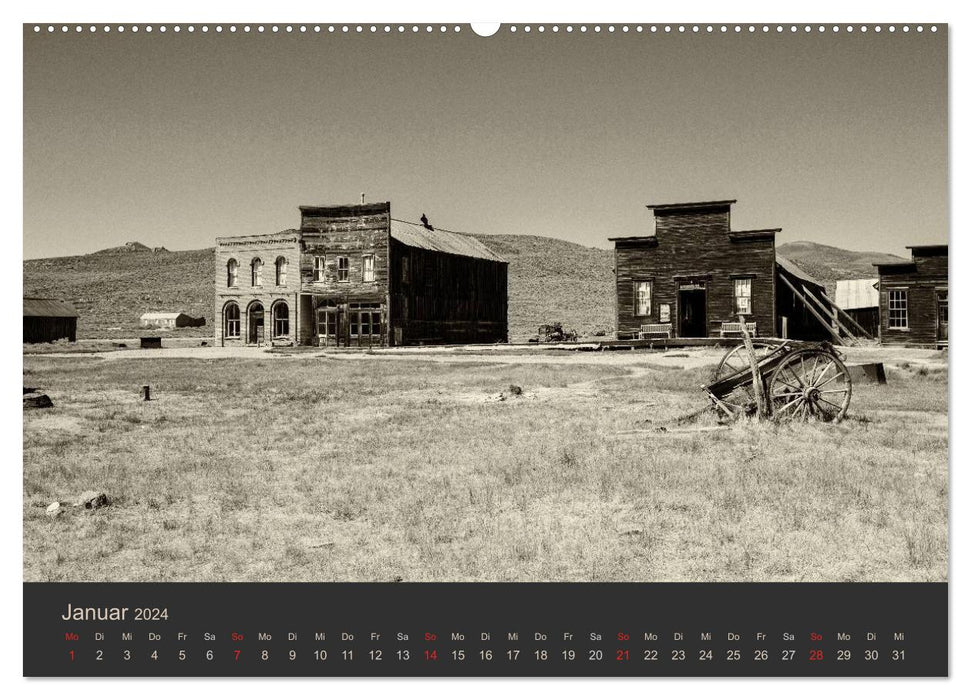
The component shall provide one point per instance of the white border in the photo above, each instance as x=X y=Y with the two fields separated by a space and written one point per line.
x=509 y=11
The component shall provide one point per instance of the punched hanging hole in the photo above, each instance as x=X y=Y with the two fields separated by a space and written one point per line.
x=485 y=28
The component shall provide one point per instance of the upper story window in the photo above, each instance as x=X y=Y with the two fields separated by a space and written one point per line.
x=232 y=273
x=897 y=317
x=368 y=264
x=743 y=295
x=257 y=272
x=318 y=268
x=405 y=268
x=343 y=268
x=642 y=298
x=281 y=271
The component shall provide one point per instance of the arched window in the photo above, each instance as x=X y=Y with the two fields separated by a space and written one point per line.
x=232 y=273
x=257 y=270
x=231 y=315
x=281 y=271
x=281 y=320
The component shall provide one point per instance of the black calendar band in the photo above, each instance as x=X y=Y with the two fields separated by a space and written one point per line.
x=485 y=629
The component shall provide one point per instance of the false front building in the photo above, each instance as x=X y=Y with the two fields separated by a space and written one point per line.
x=693 y=277
x=353 y=276
x=913 y=298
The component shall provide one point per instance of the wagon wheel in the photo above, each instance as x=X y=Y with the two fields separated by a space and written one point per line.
x=737 y=358
x=741 y=400
x=810 y=384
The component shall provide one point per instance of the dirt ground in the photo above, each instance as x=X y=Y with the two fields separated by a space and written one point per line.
x=424 y=464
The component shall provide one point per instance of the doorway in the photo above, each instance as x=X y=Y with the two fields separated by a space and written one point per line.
x=942 y=317
x=330 y=326
x=692 y=313
x=256 y=323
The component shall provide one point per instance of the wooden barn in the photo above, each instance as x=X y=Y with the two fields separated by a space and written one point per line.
x=913 y=298
x=47 y=320
x=861 y=302
x=353 y=276
x=693 y=275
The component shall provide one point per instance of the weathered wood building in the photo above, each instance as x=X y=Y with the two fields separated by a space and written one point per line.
x=694 y=275
x=913 y=298
x=353 y=276
x=47 y=320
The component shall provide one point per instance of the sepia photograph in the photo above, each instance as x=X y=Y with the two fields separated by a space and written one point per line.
x=407 y=303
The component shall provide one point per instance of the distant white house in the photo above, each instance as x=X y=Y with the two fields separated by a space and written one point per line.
x=160 y=319
x=860 y=299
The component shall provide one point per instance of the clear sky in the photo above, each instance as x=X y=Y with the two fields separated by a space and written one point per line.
x=175 y=139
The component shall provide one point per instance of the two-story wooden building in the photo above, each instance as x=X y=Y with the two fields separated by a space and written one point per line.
x=913 y=298
x=693 y=275
x=353 y=276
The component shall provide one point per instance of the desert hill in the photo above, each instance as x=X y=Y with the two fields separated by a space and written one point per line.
x=549 y=280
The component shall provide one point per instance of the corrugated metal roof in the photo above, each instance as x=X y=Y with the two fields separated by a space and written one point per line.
x=160 y=315
x=857 y=294
x=50 y=308
x=796 y=271
x=417 y=236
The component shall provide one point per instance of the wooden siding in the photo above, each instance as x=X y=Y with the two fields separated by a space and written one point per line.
x=923 y=281
x=695 y=246
x=47 y=329
x=447 y=298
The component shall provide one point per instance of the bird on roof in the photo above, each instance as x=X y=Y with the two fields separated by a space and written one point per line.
x=424 y=222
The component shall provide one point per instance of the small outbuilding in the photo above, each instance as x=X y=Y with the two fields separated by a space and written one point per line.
x=861 y=302
x=913 y=298
x=158 y=319
x=47 y=320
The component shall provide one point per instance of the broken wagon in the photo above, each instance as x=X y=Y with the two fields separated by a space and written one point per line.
x=797 y=380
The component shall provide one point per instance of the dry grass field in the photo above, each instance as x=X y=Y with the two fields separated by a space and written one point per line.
x=425 y=467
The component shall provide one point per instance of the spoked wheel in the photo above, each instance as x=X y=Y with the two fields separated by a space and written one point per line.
x=741 y=400
x=737 y=358
x=810 y=385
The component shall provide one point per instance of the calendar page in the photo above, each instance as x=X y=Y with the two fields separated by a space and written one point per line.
x=524 y=349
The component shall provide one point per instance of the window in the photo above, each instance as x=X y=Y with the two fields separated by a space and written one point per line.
x=898 y=308
x=642 y=298
x=232 y=320
x=368 y=268
x=281 y=320
x=232 y=273
x=743 y=295
x=343 y=268
x=257 y=272
x=319 y=268
x=365 y=323
x=281 y=271
x=404 y=269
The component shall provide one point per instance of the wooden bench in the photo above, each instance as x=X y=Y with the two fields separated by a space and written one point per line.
x=649 y=329
x=736 y=327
